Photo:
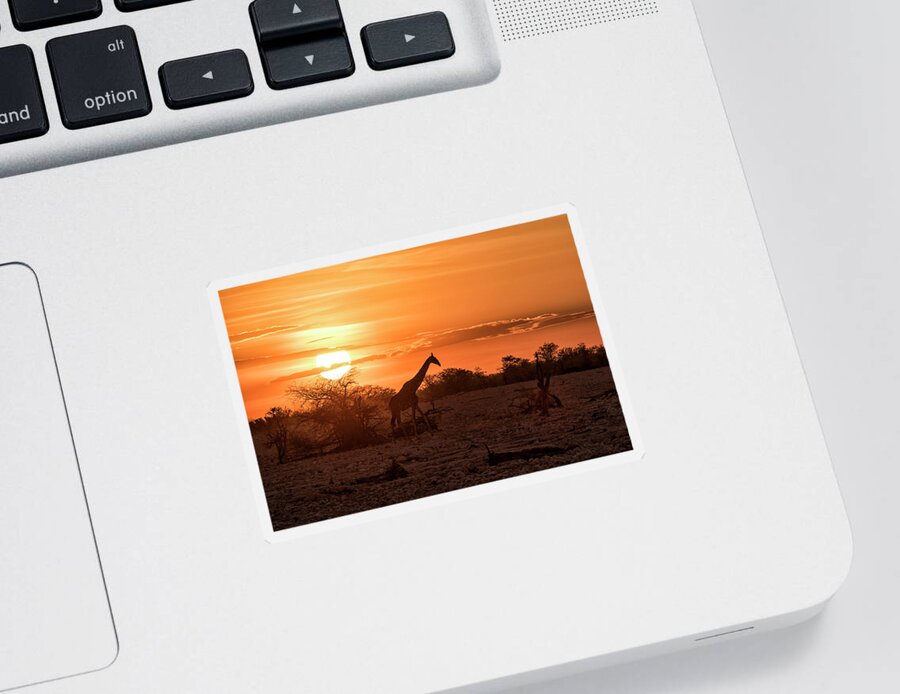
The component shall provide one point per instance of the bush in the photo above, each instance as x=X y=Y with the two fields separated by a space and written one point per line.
x=452 y=380
x=274 y=430
x=344 y=414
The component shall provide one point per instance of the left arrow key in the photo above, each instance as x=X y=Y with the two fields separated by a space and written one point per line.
x=206 y=79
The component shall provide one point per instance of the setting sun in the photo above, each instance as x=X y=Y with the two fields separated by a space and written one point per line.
x=335 y=364
x=429 y=369
x=471 y=300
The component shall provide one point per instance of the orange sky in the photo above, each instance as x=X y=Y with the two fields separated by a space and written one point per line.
x=470 y=300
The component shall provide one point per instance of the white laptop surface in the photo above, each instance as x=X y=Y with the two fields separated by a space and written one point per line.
x=470 y=366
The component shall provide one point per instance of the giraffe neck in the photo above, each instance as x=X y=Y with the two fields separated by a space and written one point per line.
x=416 y=380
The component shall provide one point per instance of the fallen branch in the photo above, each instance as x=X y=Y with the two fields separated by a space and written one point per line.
x=497 y=457
x=394 y=471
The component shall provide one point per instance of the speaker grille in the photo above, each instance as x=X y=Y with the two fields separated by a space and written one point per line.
x=521 y=19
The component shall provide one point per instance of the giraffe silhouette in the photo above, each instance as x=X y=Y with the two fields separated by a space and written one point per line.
x=406 y=398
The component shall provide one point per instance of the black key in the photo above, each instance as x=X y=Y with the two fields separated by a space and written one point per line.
x=22 y=111
x=99 y=77
x=37 y=14
x=206 y=79
x=131 y=5
x=296 y=64
x=284 y=19
x=408 y=40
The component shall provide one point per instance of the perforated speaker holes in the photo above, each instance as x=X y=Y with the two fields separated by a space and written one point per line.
x=521 y=19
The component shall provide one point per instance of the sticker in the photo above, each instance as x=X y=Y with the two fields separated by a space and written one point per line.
x=422 y=373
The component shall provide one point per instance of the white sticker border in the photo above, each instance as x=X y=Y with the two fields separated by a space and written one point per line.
x=428 y=502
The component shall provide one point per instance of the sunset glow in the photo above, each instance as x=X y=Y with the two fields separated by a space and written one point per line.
x=469 y=300
x=339 y=360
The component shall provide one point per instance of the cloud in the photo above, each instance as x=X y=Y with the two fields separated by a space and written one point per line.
x=315 y=372
x=369 y=357
x=490 y=330
x=238 y=338
x=297 y=375
x=287 y=356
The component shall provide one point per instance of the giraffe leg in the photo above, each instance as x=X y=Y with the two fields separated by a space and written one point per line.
x=412 y=411
x=424 y=417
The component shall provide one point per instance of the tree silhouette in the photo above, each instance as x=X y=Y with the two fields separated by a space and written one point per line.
x=346 y=414
x=544 y=399
x=277 y=428
x=548 y=352
x=515 y=369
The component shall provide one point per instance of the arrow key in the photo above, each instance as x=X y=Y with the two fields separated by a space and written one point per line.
x=206 y=79
x=297 y=64
x=408 y=40
x=274 y=20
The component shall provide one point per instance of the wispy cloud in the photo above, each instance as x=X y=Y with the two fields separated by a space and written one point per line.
x=286 y=356
x=490 y=330
x=238 y=338
x=297 y=375
x=315 y=372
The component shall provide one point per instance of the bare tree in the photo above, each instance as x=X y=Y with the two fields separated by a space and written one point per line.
x=548 y=352
x=277 y=421
x=346 y=414
x=544 y=399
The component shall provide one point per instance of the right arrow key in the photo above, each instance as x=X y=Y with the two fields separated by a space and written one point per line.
x=408 y=40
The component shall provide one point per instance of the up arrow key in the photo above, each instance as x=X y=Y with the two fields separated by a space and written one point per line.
x=284 y=21
x=408 y=37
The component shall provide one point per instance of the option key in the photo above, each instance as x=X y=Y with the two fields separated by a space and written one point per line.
x=99 y=77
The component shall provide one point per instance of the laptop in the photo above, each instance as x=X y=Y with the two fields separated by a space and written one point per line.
x=386 y=347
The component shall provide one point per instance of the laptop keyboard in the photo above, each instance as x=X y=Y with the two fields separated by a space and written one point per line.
x=102 y=76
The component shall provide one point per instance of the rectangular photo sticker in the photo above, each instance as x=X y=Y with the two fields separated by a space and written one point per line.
x=469 y=359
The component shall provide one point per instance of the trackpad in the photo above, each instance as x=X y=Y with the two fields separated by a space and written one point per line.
x=55 y=619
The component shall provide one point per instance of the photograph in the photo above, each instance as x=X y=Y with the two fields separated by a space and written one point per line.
x=422 y=371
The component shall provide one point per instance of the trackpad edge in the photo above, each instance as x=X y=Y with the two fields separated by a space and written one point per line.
x=55 y=618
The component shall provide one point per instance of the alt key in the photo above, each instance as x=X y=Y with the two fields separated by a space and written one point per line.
x=99 y=77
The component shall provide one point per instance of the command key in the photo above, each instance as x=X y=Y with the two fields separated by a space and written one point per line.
x=21 y=104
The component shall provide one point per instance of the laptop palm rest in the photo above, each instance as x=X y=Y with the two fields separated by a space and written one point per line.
x=55 y=618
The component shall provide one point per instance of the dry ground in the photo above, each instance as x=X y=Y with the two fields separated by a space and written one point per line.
x=482 y=436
